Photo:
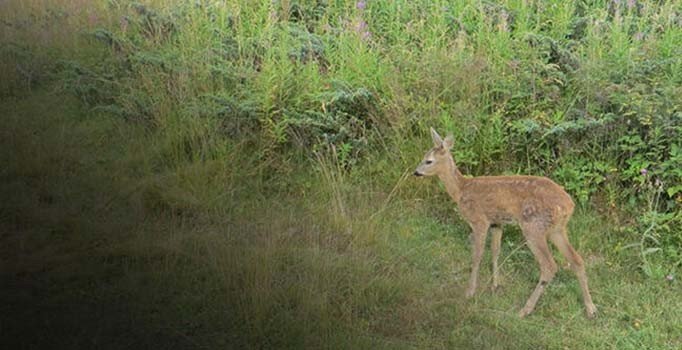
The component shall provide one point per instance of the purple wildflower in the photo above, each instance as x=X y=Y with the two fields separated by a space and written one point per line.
x=644 y=171
x=365 y=35
x=361 y=5
x=360 y=28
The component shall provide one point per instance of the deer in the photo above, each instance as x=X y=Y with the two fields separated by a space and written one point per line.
x=541 y=208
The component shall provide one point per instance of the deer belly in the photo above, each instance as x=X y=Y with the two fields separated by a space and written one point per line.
x=502 y=218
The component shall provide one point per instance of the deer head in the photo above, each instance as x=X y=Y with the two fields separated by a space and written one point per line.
x=436 y=160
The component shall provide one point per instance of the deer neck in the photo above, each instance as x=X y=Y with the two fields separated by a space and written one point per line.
x=453 y=180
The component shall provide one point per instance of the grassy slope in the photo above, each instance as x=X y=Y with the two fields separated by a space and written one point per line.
x=115 y=236
x=88 y=262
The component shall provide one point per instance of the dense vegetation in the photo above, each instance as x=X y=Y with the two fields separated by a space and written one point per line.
x=192 y=174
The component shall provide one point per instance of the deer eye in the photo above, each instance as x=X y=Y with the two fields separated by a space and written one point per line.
x=429 y=161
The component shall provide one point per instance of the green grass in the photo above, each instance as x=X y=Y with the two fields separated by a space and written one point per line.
x=89 y=261
x=237 y=174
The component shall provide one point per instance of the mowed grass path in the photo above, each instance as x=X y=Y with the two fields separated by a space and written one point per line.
x=101 y=249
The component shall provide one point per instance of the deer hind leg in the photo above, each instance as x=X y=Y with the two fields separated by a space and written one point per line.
x=560 y=240
x=538 y=245
x=495 y=243
x=478 y=235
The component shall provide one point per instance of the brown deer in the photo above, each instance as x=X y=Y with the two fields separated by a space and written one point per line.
x=540 y=207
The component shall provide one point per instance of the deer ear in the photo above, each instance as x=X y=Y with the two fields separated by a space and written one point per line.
x=448 y=142
x=437 y=140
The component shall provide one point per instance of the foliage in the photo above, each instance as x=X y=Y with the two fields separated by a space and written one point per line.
x=320 y=109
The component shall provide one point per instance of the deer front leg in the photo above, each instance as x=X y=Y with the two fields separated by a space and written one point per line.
x=495 y=244
x=478 y=243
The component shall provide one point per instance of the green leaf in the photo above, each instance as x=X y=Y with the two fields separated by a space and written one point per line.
x=674 y=190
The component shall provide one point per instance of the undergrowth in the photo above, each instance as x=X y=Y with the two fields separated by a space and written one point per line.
x=248 y=163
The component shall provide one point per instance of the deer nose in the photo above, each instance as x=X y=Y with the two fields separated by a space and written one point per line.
x=416 y=173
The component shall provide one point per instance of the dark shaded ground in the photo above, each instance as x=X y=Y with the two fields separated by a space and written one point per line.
x=74 y=296
x=65 y=281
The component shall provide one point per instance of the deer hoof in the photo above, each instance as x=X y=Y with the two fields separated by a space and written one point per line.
x=591 y=311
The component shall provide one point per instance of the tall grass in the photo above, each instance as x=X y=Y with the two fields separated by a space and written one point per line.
x=236 y=173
